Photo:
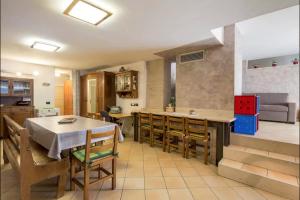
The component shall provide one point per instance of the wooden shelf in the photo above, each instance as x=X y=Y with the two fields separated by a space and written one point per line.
x=127 y=84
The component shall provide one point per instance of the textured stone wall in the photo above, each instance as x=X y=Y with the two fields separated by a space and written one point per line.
x=158 y=90
x=208 y=84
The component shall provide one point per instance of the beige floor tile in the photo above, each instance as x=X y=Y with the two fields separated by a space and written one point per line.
x=169 y=172
x=236 y=147
x=135 y=172
x=180 y=194
x=155 y=183
x=135 y=164
x=150 y=157
x=182 y=164
x=205 y=170
x=133 y=195
x=215 y=181
x=188 y=171
x=257 y=151
x=195 y=182
x=233 y=183
x=109 y=195
x=166 y=163
x=158 y=194
x=203 y=193
x=151 y=163
x=256 y=170
x=174 y=182
x=248 y=193
x=283 y=177
x=134 y=183
x=78 y=195
x=107 y=184
x=268 y=195
x=152 y=172
x=224 y=193
x=121 y=173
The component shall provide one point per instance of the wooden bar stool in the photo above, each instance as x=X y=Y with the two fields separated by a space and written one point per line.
x=196 y=131
x=158 y=131
x=175 y=134
x=93 y=157
x=145 y=127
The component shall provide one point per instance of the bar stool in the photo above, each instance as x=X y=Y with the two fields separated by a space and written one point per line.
x=196 y=131
x=175 y=133
x=158 y=132
x=145 y=127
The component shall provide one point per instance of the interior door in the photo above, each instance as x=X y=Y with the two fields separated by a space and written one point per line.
x=68 y=97
x=83 y=95
x=92 y=95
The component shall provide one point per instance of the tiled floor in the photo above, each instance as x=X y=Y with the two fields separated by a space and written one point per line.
x=148 y=173
x=282 y=132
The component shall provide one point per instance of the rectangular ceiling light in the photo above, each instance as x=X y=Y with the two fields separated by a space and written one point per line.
x=87 y=12
x=44 y=46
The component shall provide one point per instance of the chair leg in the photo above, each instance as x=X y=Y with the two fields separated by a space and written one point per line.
x=169 y=148
x=205 y=152
x=62 y=179
x=25 y=190
x=164 y=143
x=187 y=149
x=183 y=146
x=141 y=136
x=73 y=171
x=114 y=166
x=86 y=183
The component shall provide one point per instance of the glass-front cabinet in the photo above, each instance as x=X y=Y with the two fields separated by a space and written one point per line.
x=21 y=87
x=127 y=84
x=16 y=87
x=4 y=90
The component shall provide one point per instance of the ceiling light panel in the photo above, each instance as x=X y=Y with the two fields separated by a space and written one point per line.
x=87 y=12
x=44 y=46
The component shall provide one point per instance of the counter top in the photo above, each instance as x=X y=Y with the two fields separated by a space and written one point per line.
x=210 y=115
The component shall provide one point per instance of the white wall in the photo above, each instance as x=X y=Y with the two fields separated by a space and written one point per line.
x=41 y=93
x=142 y=87
x=238 y=62
x=281 y=79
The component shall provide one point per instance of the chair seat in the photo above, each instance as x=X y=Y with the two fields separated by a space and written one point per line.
x=39 y=154
x=80 y=155
x=196 y=137
x=175 y=133
x=146 y=126
x=156 y=130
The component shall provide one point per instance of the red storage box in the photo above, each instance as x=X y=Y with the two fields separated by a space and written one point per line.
x=245 y=105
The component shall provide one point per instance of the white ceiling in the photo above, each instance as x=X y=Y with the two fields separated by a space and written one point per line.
x=271 y=35
x=136 y=30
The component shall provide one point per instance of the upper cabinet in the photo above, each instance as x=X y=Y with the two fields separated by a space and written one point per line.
x=16 y=87
x=127 y=84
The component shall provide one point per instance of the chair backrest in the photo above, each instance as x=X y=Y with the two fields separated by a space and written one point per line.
x=196 y=126
x=158 y=121
x=175 y=123
x=145 y=118
x=93 y=115
x=105 y=115
x=17 y=140
x=92 y=147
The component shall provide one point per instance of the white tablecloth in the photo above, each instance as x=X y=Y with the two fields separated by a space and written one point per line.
x=57 y=137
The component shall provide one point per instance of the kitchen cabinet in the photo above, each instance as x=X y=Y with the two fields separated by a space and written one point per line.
x=127 y=84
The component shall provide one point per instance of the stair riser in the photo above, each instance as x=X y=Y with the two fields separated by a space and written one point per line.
x=266 y=145
x=286 y=167
x=276 y=187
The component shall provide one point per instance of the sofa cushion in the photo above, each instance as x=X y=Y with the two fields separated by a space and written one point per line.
x=276 y=108
x=271 y=98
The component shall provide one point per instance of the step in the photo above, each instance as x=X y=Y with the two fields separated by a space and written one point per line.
x=281 y=184
x=260 y=158
x=264 y=144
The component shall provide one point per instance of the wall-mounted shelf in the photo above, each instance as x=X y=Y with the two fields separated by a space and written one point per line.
x=127 y=84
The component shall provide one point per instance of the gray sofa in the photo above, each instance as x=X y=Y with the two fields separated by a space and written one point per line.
x=275 y=107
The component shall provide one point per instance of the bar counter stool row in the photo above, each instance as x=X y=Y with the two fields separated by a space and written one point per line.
x=179 y=133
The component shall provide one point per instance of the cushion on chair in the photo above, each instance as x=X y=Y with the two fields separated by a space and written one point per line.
x=80 y=154
x=276 y=108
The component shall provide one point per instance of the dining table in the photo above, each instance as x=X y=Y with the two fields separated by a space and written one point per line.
x=56 y=137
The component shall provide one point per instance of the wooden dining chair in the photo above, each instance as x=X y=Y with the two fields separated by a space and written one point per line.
x=93 y=157
x=158 y=130
x=196 y=130
x=145 y=127
x=93 y=115
x=175 y=134
x=30 y=159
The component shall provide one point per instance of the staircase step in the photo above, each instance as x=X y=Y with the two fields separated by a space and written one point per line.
x=278 y=183
x=264 y=144
x=260 y=158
